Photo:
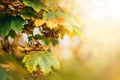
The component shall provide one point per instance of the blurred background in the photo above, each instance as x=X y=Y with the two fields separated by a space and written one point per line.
x=98 y=56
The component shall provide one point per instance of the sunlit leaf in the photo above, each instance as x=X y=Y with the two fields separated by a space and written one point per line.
x=35 y=4
x=48 y=4
x=50 y=15
x=70 y=34
x=39 y=22
x=45 y=61
x=69 y=23
x=62 y=32
x=9 y=23
x=50 y=23
x=69 y=27
x=77 y=32
x=55 y=22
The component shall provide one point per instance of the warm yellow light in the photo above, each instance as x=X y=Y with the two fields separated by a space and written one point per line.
x=102 y=31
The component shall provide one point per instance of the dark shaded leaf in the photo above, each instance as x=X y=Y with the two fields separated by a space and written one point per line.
x=28 y=13
x=35 y=4
x=9 y=23
x=12 y=33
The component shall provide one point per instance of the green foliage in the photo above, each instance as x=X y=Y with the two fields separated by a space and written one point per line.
x=23 y=16
x=12 y=33
x=4 y=75
x=44 y=60
x=51 y=4
x=54 y=42
x=28 y=12
x=70 y=23
x=9 y=23
x=50 y=15
x=35 y=4
x=43 y=38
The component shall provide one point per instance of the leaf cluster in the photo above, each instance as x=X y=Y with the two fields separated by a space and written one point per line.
x=18 y=17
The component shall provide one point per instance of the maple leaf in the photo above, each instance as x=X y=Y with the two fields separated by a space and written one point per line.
x=28 y=13
x=39 y=22
x=71 y=27
x=69 y=23
x=55 y=22
x=50 y=23
x=9 y=23
x=50 y=15
x=48 y=4
x=35 y=4
x=45 y=61
x=62 y=32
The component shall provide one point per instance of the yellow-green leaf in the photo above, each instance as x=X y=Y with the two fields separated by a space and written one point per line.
x=50 y=15
x=51 y=4
x=39 y=22
x=45 y=61
x=77 y=32
x=69 y=23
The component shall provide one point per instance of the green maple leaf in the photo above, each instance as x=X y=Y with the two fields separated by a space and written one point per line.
x=35 y=4
x=45 y=61
x=28 y=13
x=9 y=23
x=52 y=15
x=70 y=23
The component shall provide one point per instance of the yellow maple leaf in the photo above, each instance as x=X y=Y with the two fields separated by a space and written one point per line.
x=55 y=22
x=58 y=20
x=39 y=22
x=50 y=23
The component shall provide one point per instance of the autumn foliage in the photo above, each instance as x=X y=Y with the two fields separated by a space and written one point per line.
x=31 y=58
